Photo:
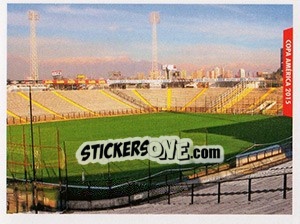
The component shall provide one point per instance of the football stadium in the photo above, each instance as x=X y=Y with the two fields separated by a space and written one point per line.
x=206 y=140
x=41 y=161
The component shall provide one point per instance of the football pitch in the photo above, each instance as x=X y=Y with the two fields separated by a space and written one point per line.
x=56 y=143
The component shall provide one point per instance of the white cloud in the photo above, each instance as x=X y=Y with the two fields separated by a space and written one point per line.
x=17 y=19
x=67 y=9
x=81 y=19
x=226 y=29
x=91 y=18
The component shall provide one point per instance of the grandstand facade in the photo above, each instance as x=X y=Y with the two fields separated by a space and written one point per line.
x=73 y=104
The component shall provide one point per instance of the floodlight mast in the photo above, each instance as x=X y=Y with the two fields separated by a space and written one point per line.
x=33 y=16
x=154 y=19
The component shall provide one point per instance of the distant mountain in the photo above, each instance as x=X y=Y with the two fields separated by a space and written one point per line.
x=18 y=67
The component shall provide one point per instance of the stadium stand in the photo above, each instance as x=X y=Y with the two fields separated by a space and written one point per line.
x=182 y=96
x=55 y=103
x=61 y=104
x=93 y=100
x=249 y=102
x=209 y=97
x=156 y=97
x=20 y=106
x=132 y=101
x=276 y=96
x=225 y=98
x=265 y=100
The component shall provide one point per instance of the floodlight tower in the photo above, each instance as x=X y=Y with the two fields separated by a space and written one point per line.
x=154 y=19
x=33 y=16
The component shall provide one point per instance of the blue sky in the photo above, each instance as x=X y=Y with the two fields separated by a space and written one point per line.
x=99 y=37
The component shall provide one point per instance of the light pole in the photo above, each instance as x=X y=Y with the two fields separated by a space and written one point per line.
x=32 y=152
x=154 y=20
x=33 y=16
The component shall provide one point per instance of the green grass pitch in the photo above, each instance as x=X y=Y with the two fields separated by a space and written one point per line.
x=234 y=132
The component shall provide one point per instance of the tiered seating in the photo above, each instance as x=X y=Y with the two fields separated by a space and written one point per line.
x=93 y=100
x=209 y=96
x=126 y=97
x=55 y=103
x=223 y=101
x=20 y=106
x=62 y=103
x=130 y=93
x=157 y=97
x=277 y=96
x=181 y=96
x=253 y=98
x=244 y=103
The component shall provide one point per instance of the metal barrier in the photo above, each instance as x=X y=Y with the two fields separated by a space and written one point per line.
x=256 y=155
x=93 y=197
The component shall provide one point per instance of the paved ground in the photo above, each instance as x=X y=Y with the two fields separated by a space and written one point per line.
x=261 y=203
